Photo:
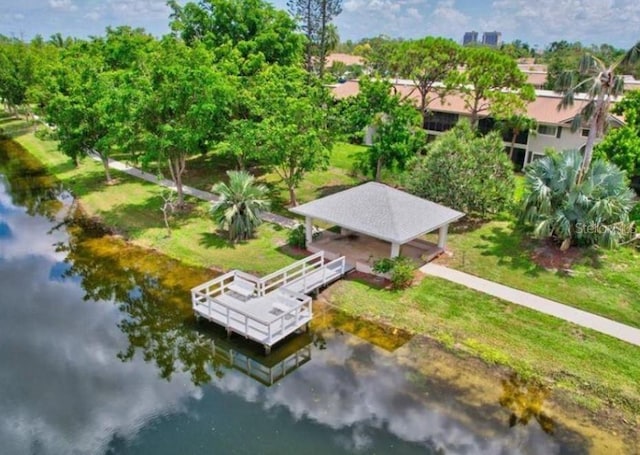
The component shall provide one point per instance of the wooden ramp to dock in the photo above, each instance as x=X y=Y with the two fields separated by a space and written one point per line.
x=270 y=308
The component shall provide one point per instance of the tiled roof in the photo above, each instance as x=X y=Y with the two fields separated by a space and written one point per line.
x=380 y=211
x=347 y=59
x=543 y=109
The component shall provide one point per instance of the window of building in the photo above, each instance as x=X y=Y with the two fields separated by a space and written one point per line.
x=441 y=121
x=585 y=132
x=547 y=130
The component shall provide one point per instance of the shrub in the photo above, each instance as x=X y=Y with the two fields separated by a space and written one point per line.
x=401 y=269
x=560 y=205
x=297 y=237
x=240 y=204
x=467 y=173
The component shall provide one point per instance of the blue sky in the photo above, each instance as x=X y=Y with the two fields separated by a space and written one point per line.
x=537 y=22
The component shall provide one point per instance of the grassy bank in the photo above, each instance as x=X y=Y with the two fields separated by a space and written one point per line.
x=595 y=370
x=133 y=208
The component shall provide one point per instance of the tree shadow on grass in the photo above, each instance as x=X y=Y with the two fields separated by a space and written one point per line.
x=216 y=240
x=467 y=224
x=85 y=183
x=511 y=249
x=293 y=252
x=328 y=190
x=7 y=119
x=61 y=168
x=134 y=218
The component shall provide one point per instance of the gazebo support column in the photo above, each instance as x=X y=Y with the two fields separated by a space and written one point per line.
x=395 y=250
x=308 y=230
x=442 y=236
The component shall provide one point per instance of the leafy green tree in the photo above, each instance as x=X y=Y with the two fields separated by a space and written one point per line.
x=378 y=52
x=621 y=145
x=591 y=210
x=79 y=107
x=601 y=83
x=355 y=113
x=183 y=106
x=468 y=173
x=293 y=137
x=90 y=92
x=17 y=69
x=314 y=18
x=491 y=82
x=240 y=204
x=397 y=137
x=245 y=34
x=428 y=62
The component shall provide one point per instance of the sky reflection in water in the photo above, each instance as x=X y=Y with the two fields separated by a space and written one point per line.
x=64 y=389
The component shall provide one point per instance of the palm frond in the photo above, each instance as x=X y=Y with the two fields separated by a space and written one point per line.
x=631 y=56
x=565 y=81
x=588 y=63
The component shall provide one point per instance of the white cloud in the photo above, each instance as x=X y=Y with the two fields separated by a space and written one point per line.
x=63 y=5
x=589 y=21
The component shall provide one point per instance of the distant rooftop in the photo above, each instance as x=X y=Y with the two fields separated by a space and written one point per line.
x=544 y=108
x=380 y=211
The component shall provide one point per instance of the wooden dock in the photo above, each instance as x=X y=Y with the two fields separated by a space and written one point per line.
x=270 y=308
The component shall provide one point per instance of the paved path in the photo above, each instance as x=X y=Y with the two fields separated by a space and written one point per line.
x=568 y=313
x=204 y=195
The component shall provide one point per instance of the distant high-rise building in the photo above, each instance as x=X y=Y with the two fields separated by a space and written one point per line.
x=492 y=39
x=470 y=38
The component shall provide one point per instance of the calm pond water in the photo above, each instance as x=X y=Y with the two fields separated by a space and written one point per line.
x=100 y=354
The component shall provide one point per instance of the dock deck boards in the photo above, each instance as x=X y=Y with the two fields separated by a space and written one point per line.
x=280 y=305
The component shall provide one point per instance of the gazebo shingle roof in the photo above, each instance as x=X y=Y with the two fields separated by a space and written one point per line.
x=380 y=211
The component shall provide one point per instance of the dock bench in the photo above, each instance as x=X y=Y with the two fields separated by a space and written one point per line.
x=241 y=286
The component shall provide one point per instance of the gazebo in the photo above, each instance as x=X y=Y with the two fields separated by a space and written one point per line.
x=375 y=220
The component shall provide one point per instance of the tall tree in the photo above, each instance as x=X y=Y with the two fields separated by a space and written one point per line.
x=428 y=62
x=314 y=19
x=91 y=90
x=183 y=105
x=621 y=145
x=491 y=82
x=245 y=34
x=601 y=83
x=391 y=126
x=293 y=137
x=17 y=69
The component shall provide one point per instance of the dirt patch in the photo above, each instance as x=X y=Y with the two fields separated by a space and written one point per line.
x=374 y=281
x=549 y=256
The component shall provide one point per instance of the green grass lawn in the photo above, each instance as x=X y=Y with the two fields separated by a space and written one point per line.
x=595 y=369
x=605 y=282
x=338 y=176
x=132 y=207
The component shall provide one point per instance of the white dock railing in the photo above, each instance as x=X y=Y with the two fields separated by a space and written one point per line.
x=274 y=306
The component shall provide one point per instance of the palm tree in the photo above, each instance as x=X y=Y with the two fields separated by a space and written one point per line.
x=593 y=210
x=240 y=205
x=601 y=84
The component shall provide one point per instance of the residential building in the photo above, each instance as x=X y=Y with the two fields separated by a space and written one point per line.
x=470 y=38
x=554 y=126
x=493 y=39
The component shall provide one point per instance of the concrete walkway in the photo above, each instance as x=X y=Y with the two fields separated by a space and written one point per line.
x=203 y=195
x=565 y=312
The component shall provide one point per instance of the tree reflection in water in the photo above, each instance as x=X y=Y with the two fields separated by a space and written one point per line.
x=525 y=400
x=151 y=291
